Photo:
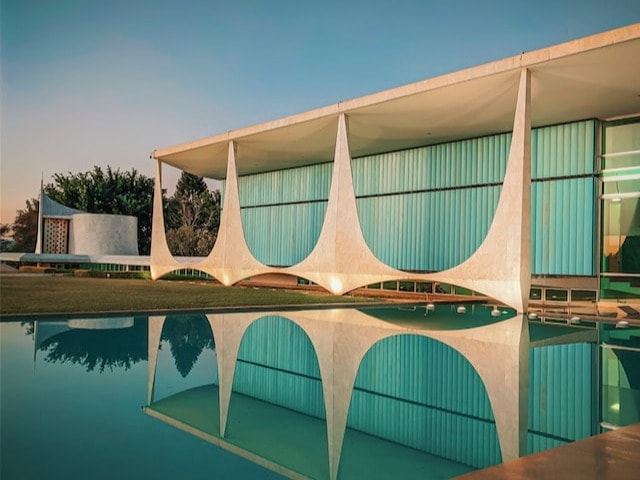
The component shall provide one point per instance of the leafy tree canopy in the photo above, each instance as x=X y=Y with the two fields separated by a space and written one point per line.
x=108 y=191
x=192 y=217
x=101 y=349
x=6 y=245
x=25 y=227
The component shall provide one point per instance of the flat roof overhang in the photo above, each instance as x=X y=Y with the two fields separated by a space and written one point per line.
x=593 y=77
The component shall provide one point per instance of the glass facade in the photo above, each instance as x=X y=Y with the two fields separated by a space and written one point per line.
x=585 y=208
x=620 y=206
x=620 y=376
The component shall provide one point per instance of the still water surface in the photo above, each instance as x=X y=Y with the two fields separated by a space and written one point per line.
x=143 y=397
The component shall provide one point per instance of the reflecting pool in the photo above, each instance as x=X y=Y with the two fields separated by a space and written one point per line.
x=376 y=392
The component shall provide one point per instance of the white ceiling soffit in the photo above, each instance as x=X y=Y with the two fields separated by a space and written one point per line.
x=594 y=77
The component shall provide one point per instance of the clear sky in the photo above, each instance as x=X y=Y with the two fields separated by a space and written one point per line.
x=96 y=82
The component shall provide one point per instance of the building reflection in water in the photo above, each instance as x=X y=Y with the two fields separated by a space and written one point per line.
x=377 y=393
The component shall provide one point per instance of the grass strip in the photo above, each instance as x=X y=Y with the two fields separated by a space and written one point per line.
x=65 y=294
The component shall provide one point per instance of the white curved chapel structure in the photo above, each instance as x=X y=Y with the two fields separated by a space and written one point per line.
x=63 y=230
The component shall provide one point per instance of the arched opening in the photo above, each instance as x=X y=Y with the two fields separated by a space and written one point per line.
x=186 y=380
x=423 y=406
x=562 y=394
x=283 y=212
x=192 y=207
x=440 y=199
x=277 y=406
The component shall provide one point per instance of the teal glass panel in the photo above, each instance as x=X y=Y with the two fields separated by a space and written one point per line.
x=562 y=224
x=285 y=226
x=622 y=187
x=621 y=144
x=278 y=364
x=467 y=162
x=423 y=221
x=286 y=186
x=283 y=235
x=622 y=136
x=561 y=394
x=620 y=253
x=422 y=393
x=427 y=231
x=563 y=150
x=629 y=160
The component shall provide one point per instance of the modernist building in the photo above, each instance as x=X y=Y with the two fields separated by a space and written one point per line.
x=514 y=178
x=71 y=238
x=63 y=230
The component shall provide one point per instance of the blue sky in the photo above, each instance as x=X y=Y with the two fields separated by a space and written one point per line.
x=87 y=82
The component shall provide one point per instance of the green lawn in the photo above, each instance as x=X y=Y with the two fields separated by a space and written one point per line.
x=65 y=294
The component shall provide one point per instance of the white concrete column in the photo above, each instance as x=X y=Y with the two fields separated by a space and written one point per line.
x=154 y=332
x=498 y=352
x=500 y=355
x=322 y=337
x=39 y=238
x=341 y=339
x=501 y=266
x=231 y=260
x=341 y=260
x=229 y=330
x=161 y=262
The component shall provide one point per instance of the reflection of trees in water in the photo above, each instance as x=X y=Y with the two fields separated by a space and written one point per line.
x=188 y=336
x=109 y=348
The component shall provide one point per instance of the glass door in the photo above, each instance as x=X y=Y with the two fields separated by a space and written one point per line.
x=620 y=207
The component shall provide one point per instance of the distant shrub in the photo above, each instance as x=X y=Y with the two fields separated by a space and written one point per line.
x=36 y=269
x=106 y=274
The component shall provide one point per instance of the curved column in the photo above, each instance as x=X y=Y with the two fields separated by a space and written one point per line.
x=230 y=259
x=340 y=347
x=154 y=332
x=500 y=354
x=501 y=266
x=228 y=331
x=341 y=260
x=161 y=262
x=40 y=233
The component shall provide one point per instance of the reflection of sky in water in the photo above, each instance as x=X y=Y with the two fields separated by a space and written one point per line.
x=82 y=422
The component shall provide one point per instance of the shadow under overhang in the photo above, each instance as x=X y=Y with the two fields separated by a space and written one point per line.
x=598 y=78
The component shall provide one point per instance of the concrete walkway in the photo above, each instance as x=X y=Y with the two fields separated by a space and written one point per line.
x=611 y=455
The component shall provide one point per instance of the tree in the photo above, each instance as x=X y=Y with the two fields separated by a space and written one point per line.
x=192 y=216
x=188 y=336
x=108 y=191
x=106 y=348
x=25 y=227
x=6 y=245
